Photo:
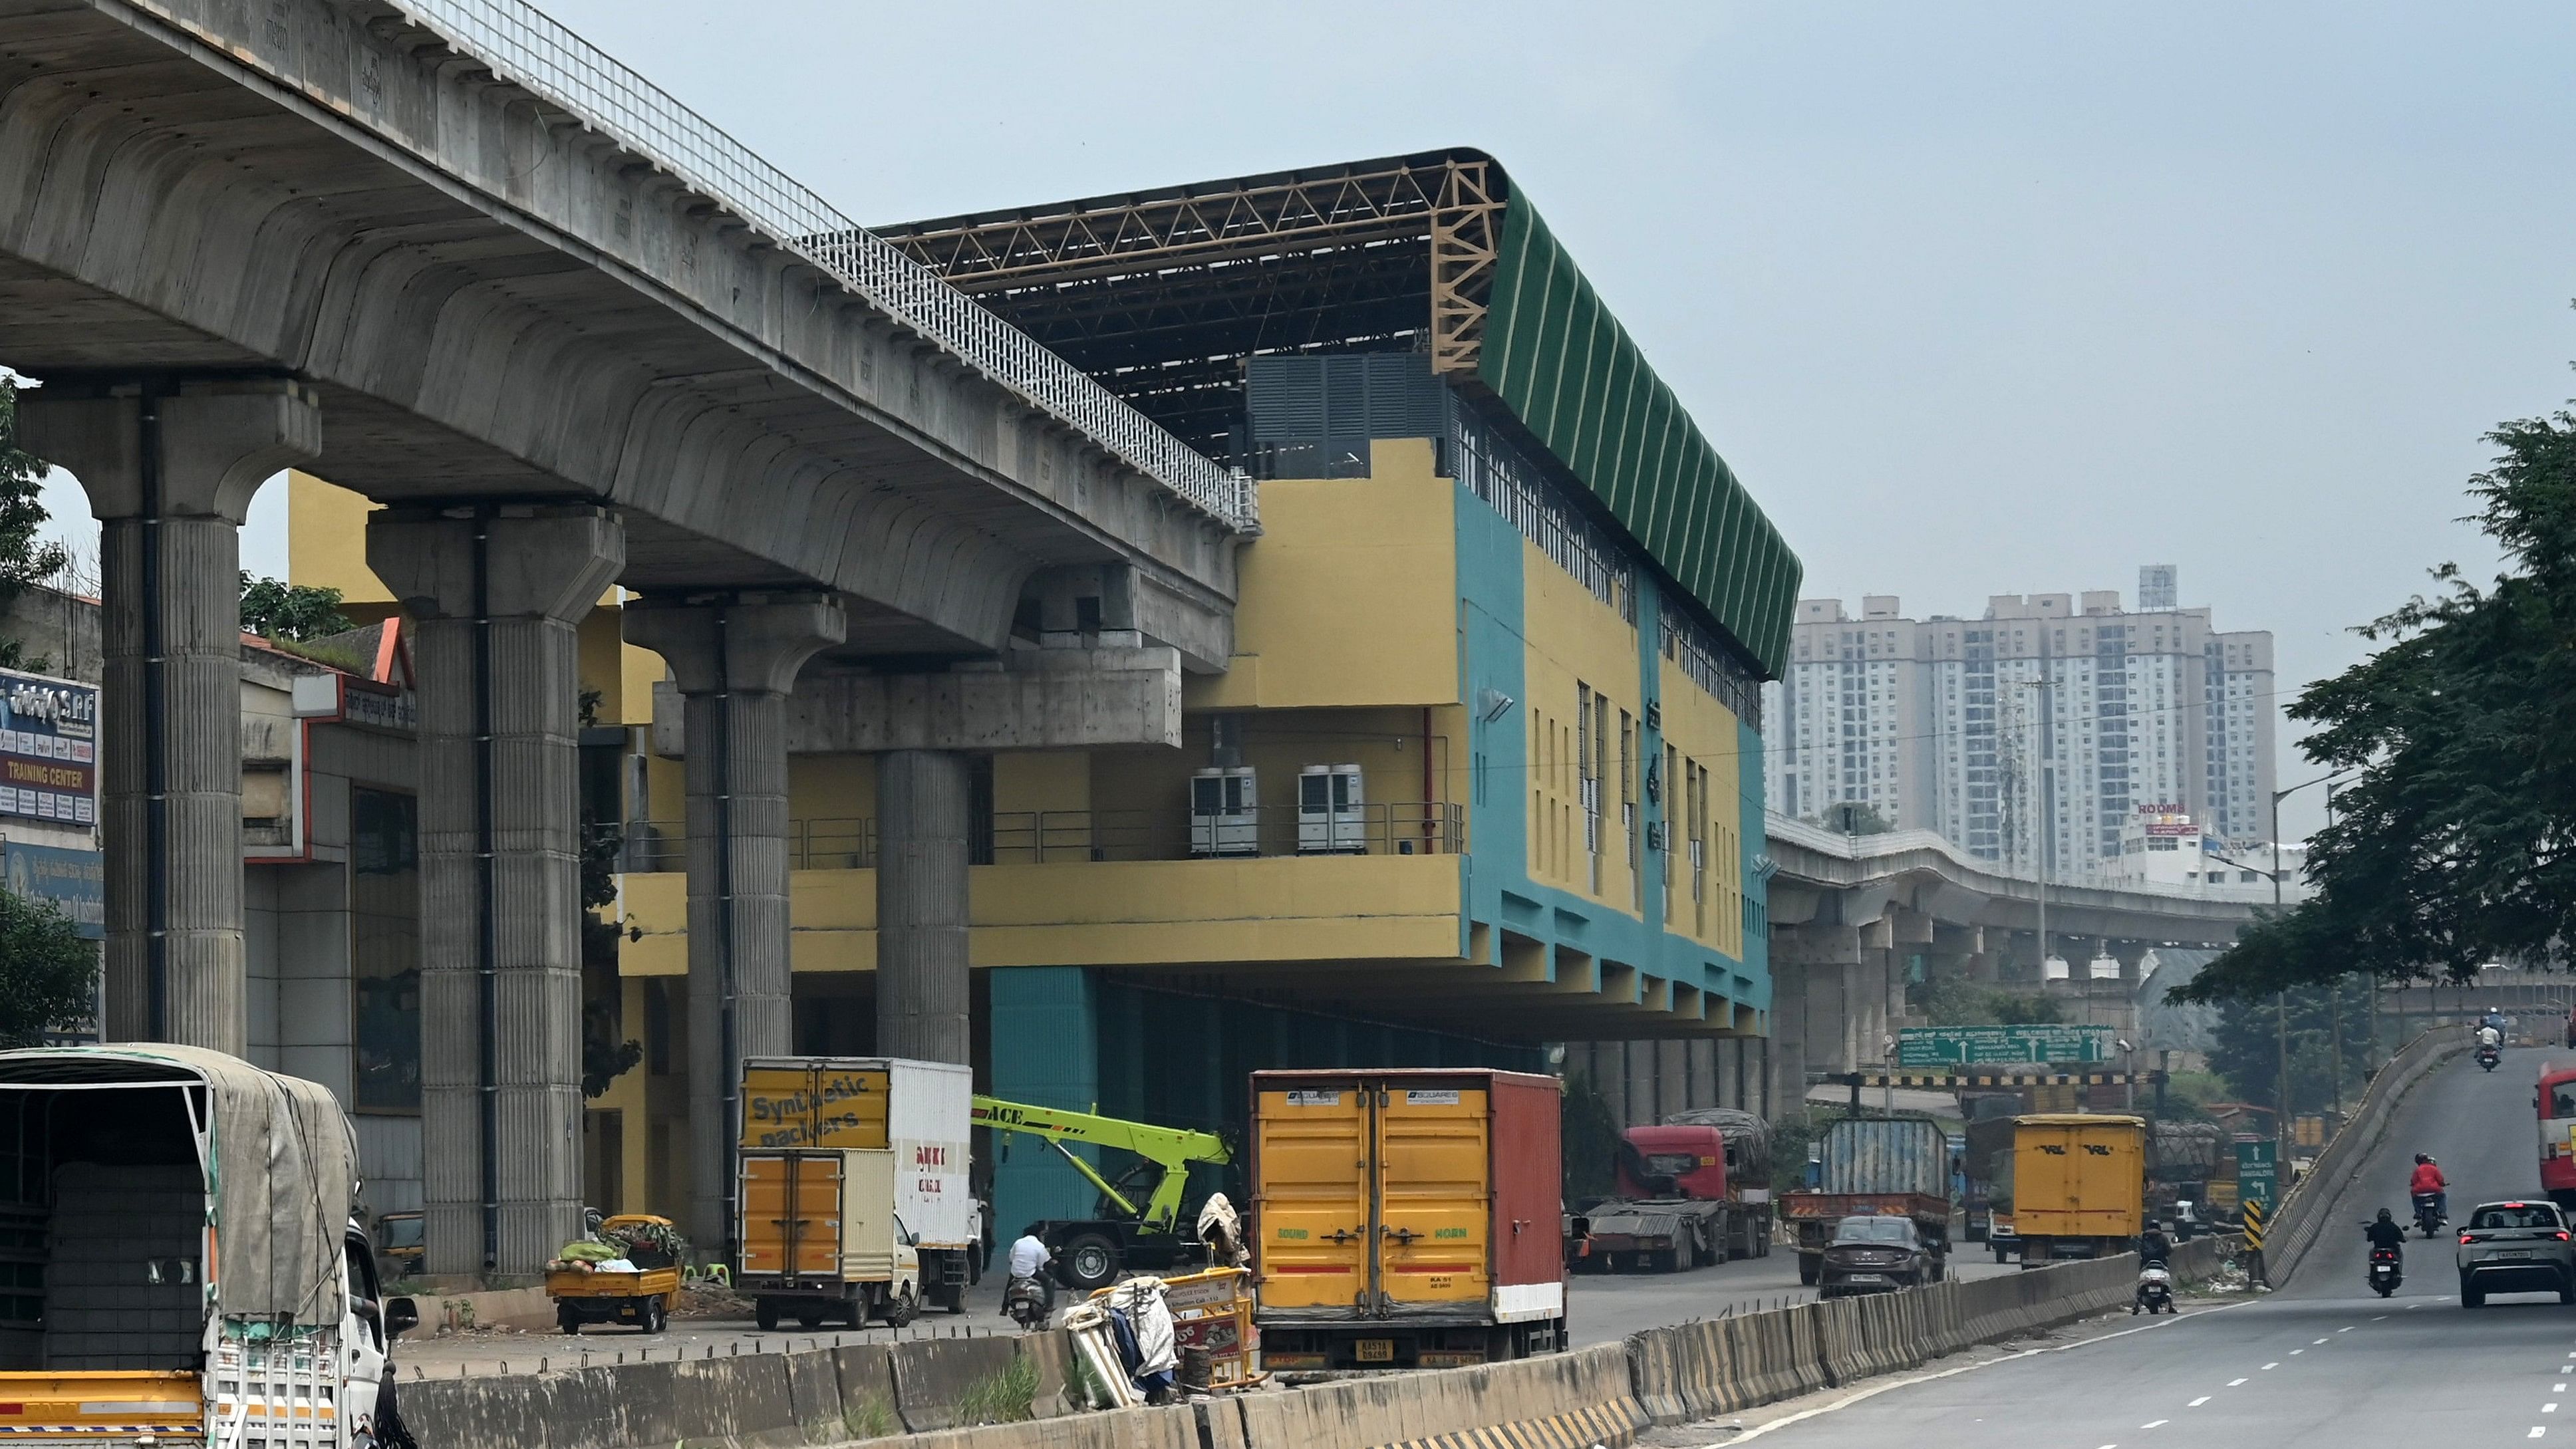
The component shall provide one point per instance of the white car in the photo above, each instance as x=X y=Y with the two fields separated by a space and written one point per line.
x=2516 y=1247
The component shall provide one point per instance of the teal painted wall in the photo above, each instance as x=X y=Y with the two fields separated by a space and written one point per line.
x=1045 y=1051
x=1492 y=650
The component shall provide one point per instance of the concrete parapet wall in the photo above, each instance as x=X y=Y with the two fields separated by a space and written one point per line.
x=2303 y=1214
x=1596 y=1396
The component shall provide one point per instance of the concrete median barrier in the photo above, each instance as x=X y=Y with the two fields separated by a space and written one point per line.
x=1559 y=1401
x=932 y=1376
x=1173 y=1428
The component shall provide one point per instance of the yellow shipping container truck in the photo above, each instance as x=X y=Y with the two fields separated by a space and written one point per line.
x=2079 y=1185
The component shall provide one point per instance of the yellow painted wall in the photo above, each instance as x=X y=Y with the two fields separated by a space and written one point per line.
x=1703 y=733
x=1349 y=597
x=326 y=539
x=1112 y=913
x=1576 y=640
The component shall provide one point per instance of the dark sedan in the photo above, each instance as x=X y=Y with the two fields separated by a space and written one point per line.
x=1874 y=1255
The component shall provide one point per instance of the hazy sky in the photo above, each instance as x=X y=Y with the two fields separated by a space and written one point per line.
x=1976 y=298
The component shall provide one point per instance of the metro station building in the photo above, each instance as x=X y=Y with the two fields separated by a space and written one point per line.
x=1481 y=773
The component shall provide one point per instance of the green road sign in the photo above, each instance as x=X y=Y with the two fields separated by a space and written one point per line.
x=1977 y=1046
x=2257 y=1169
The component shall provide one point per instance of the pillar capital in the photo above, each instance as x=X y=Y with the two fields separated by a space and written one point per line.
x=541 y=561
x=220 y=438
x=739 y=642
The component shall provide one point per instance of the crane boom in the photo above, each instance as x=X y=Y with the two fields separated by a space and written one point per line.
x=1171 y=1148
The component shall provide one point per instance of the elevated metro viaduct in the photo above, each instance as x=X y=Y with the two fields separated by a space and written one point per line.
x=569 y=335
x=1855 y=919
x=1481 y=773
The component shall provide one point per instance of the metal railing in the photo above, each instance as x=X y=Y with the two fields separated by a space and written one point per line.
x=1052 y=837
x=524 y=45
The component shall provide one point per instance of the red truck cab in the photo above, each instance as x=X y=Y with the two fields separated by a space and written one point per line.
x=1669 y=1162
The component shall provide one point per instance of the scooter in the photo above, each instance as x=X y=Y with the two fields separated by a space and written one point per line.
x=2428 y=1212
x=2387 y=1270
x=1025 y=1299
x=2488 y=1057
x=2155 y=1290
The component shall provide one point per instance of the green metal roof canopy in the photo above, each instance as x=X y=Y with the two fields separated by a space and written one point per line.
x=1161 y=294
x=1555 y=356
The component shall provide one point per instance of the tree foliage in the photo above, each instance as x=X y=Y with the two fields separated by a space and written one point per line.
x=2247 y=1049
x=276 y=609
x=24 y=561
x=2454 y=844
x=1965 y=1003
x=48 y=974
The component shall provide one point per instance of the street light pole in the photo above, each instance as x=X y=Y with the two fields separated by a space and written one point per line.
x=2281 y=1002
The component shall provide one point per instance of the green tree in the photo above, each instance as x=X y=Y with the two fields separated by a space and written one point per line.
x=1965 y=1003
x=276 y=609
x=2454 y=843
x=24 y=561
x=2246 y=1052
x=48 y=974
x=1853 y=817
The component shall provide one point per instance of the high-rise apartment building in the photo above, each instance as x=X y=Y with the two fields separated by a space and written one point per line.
x=2055 y=708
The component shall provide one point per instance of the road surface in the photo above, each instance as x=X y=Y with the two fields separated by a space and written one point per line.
x=2322 y=1363
x=1606 y=1307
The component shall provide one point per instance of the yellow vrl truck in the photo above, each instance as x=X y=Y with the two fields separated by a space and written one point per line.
x=851 y=1192
x=2079 y=1185
x=181 y=1264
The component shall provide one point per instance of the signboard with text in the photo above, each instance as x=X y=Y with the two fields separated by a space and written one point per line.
x=2257 y=1169
x=1979 y=1046
x=74 y=880
x=48 y=749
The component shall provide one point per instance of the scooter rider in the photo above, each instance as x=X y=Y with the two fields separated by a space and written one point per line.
x=1029 y=1259
x=2386 y=1232
x=2154 y=1246
x=2489 y=1038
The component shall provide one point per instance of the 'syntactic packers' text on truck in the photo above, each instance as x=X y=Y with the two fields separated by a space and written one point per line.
x=851 y=1189
x=1406 y=1219
x=2079 y=1185
x=184 y=1269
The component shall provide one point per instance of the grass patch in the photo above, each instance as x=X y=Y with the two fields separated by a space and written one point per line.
x=1000 y=1398
x=870 y=1418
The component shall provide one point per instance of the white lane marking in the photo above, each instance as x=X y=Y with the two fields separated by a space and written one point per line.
x=2536 y=1432
x=2154 y=1424
x=2347 y=1328
x=2558 y=1388
x=2379 y=1318
x=2315 y=1344
x=2196 y=1403
x=2232 y=1383
x=1909 y=1381
x=2549 y=1408
x=2294 y=1353
x=2273 y=1365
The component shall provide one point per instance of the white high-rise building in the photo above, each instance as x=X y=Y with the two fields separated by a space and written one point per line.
x=2052 y=707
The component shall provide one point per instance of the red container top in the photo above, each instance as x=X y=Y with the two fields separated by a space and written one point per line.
x=1673 y=1161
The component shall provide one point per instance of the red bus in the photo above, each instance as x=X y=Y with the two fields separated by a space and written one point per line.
x=2556 y=1102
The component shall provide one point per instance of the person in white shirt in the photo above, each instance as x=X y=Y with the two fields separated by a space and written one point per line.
x=2488 y=1036
x=1029 y=1258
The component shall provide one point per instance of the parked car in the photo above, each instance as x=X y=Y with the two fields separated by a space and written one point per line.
x=2515 y=1247
x=1874 y=1255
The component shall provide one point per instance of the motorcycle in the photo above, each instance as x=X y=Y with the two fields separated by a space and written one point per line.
x=2488 y=1057
x=2387 y=1270
x=1025 y=1300
x=2428 y=1212
x=2155 y=1290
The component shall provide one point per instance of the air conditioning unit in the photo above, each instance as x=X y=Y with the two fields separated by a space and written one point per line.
x=2103 y=968
x=1331 y=817
x=1225 y=812
x=2054 y=969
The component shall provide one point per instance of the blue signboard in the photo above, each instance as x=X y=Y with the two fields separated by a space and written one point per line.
x=48 y=748
x=74 y=880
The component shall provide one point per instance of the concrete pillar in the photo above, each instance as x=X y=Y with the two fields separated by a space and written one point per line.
x=734 y=658
x=922 y=801
x=170 y=472
x=496 y=591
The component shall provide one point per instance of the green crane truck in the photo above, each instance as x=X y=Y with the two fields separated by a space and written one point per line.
x=1138 y=1216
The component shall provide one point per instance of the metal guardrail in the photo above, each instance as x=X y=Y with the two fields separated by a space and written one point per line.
x=524 y=45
